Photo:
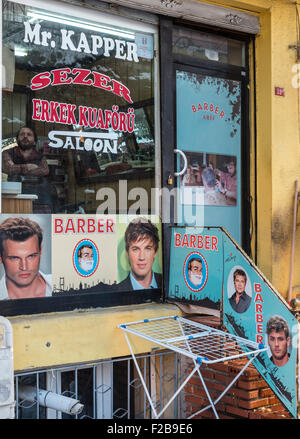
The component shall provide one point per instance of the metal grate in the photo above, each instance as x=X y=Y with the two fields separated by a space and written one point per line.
x=109 y=389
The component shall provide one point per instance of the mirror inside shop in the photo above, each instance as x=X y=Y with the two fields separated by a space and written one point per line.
x=85 y=91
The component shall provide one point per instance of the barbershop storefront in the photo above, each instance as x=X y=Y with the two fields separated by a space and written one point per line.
x=113 y=118
x=127 y=123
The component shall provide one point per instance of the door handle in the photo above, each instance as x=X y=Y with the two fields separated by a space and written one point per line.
x=178 y=151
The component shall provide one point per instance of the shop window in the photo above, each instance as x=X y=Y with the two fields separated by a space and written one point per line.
x=78 y=122
x=208 y=47
x=87 y=89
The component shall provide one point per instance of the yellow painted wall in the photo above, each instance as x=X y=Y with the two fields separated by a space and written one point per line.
x=285 y=143
x=278 y=148
x=263 y=70
x=79 y=336
x=277 y=144
x=253 y=6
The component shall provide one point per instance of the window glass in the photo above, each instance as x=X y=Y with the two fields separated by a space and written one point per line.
x=87 y=90
x=208 y=46
x=78 y=384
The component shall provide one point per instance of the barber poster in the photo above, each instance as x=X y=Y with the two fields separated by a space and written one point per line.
x=61 y=254
x=138 y=256
x=196 y=266
x=83 y=253
x=25 y=256
x=101 y=253
x=254 y=310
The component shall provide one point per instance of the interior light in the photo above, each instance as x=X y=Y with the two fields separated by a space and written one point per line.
x=78 y=23
x=19 y=51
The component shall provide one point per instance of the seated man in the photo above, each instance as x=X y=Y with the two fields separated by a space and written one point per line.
x=227 y=184
x=211 y=195
x=24 y=163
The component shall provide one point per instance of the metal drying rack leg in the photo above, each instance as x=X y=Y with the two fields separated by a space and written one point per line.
x=157 y=415
x=196 y=368
x=140 y=375
x=213 y=403
x=200 y=376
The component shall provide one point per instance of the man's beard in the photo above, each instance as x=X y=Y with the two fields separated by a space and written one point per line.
x=281 y=356
x=25 y=146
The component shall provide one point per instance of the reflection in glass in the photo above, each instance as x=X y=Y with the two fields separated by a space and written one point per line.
x=86 y=156
x=208 y=47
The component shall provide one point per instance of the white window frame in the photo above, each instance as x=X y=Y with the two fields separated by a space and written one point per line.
x=103 y=392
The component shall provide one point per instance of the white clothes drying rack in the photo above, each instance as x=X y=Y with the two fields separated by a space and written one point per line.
x=201 y=343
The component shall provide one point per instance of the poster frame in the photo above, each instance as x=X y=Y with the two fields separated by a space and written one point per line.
x=64 y=302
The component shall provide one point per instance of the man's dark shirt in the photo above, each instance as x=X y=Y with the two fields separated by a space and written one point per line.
x=126 y=284
x=14 y=164
x=34 y=181
x=243 y=304
x=271 y=358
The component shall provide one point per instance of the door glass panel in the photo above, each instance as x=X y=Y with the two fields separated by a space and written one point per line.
x=200 y=45
x=209 y=134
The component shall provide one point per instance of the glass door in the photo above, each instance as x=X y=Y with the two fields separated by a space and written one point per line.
x=205 y=132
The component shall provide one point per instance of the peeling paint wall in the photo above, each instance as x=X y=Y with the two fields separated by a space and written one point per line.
x=278 y=139
x=79 y=336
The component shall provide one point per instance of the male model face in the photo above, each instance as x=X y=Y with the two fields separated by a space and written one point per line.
x=279 y=344
x=141 y=255
x=239 y=283
x=21 y=260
